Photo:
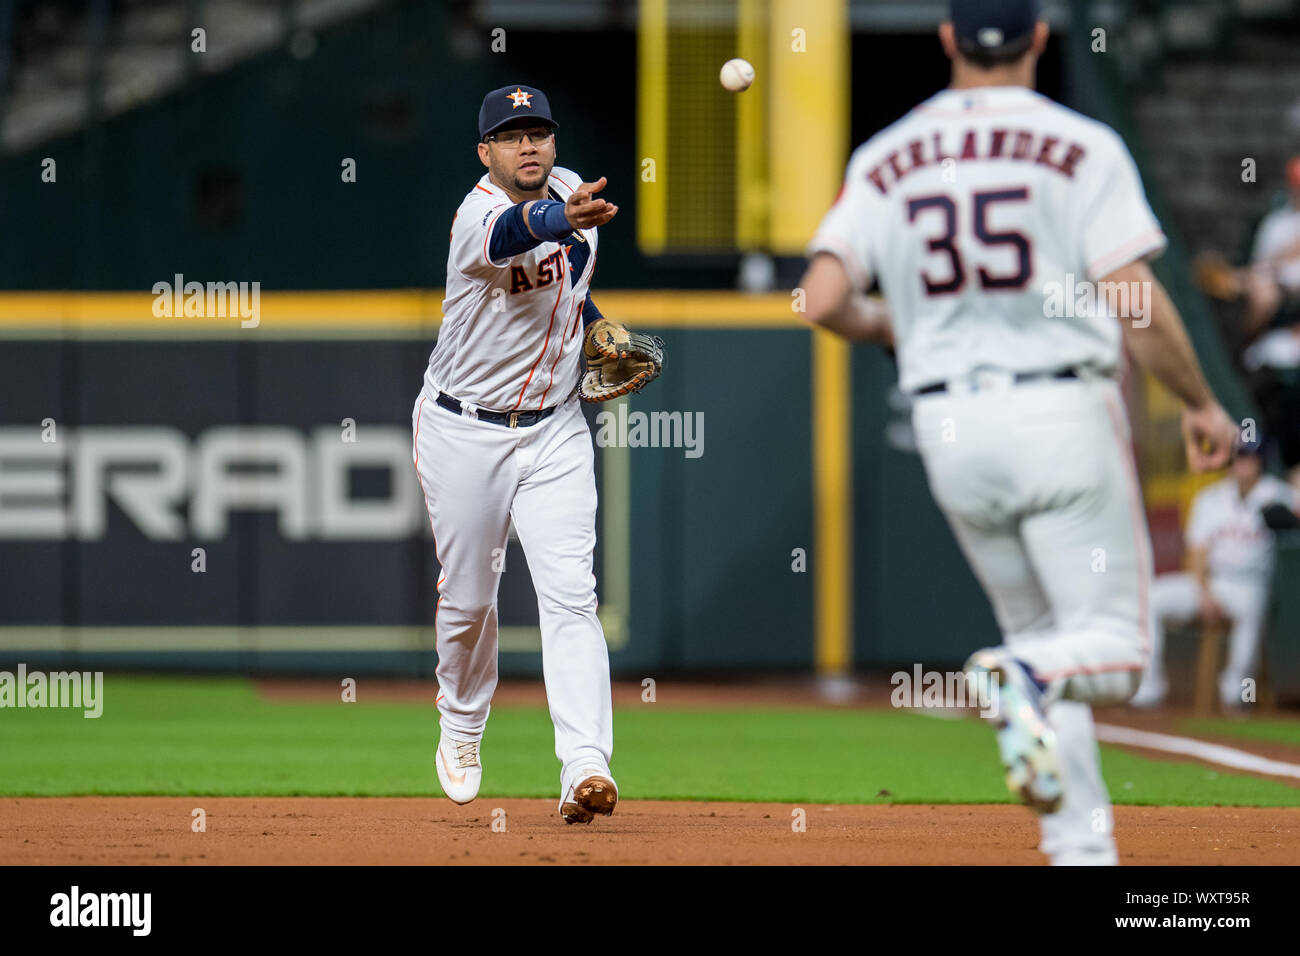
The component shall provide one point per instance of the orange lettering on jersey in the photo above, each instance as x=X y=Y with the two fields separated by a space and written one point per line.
x=915 y=152
x=998 y=143
x=549 y=269
x=1072 y=157
x=968 y=150
x=893 y=166
x=519 y=280
x=1045 y=152
x=878 y=180
x=1024 y=146
x=1024 y=140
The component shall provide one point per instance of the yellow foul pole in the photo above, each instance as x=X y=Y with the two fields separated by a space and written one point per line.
x=808 y=130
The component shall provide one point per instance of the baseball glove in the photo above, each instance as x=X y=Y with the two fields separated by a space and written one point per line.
x=619 y=362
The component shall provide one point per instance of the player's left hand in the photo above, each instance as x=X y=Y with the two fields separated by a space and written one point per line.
x=584 y=211
x=619 y=362
x=1210 y=436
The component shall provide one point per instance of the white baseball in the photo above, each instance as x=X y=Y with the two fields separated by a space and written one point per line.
x=736 y=75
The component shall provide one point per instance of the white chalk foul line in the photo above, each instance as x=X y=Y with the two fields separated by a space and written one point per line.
x=1211 y=753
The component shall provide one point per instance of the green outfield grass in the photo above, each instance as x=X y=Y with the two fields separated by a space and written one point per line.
x=216 y=736
x=1253 y=728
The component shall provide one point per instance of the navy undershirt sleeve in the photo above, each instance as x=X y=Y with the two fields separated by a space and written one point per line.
x=511 y=236
x=589 y=312
x=547 y=220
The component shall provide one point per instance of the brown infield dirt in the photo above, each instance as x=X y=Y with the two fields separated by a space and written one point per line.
x=432 y=831
x=423 y=831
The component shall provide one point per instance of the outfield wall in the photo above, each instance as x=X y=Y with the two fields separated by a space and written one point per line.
x=789 y=530
x=282 y=451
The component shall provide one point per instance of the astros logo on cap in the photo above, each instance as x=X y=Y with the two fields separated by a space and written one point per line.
x=521 y=98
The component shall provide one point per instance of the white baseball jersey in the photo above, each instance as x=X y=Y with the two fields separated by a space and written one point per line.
x=983 y=214
x=1230 y=526
x=1278 y=232
x=511 y=330
x=510 y=339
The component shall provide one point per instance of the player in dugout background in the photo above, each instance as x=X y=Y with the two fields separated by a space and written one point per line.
x=967 y=211
x=1229 y=558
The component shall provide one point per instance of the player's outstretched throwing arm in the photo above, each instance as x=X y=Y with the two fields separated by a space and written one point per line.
x=529 y=224
x=618 y=361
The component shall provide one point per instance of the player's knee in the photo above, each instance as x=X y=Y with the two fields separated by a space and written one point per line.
x=460 y=613
x=569 y=600
x=1106 y=689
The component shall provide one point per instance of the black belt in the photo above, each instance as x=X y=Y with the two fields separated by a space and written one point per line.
x=1020 y=379
x=509 y=419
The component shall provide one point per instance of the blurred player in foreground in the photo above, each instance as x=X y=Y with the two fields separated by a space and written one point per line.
x=975 y=212
x=1229 y=561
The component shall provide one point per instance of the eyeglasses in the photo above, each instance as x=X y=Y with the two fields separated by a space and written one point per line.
x=512 y=138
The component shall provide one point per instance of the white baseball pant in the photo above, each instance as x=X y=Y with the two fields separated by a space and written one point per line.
x=476 y=477
x=1038 y=483
x=1176 y=600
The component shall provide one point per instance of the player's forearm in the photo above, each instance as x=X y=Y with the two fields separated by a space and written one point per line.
x=861 y=319
x=526 y=226
x=831 y=303
x=1161 y=345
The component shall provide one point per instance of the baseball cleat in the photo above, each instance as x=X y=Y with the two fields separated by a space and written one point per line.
x=595 y=792
x=1152 y=689
x=1147 y=699
x=459 y=769
x=1026 y=740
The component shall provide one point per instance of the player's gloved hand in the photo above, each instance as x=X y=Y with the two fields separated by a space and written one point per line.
x=619 y=362
x=584 y=211
x=1210 y=436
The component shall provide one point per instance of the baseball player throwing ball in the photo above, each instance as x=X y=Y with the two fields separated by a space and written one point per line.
x=499 y=434
x=971 y=212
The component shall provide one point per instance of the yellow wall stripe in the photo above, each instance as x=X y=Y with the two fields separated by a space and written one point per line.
x=414 y=310
x=90 y=309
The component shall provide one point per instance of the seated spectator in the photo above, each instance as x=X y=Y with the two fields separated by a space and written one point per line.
x=1274 y=289
x=1229 y=560
x=1273 y=294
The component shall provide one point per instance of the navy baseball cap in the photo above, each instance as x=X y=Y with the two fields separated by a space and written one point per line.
x=1249 y=446
x=991 y=24
x=514 y=105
